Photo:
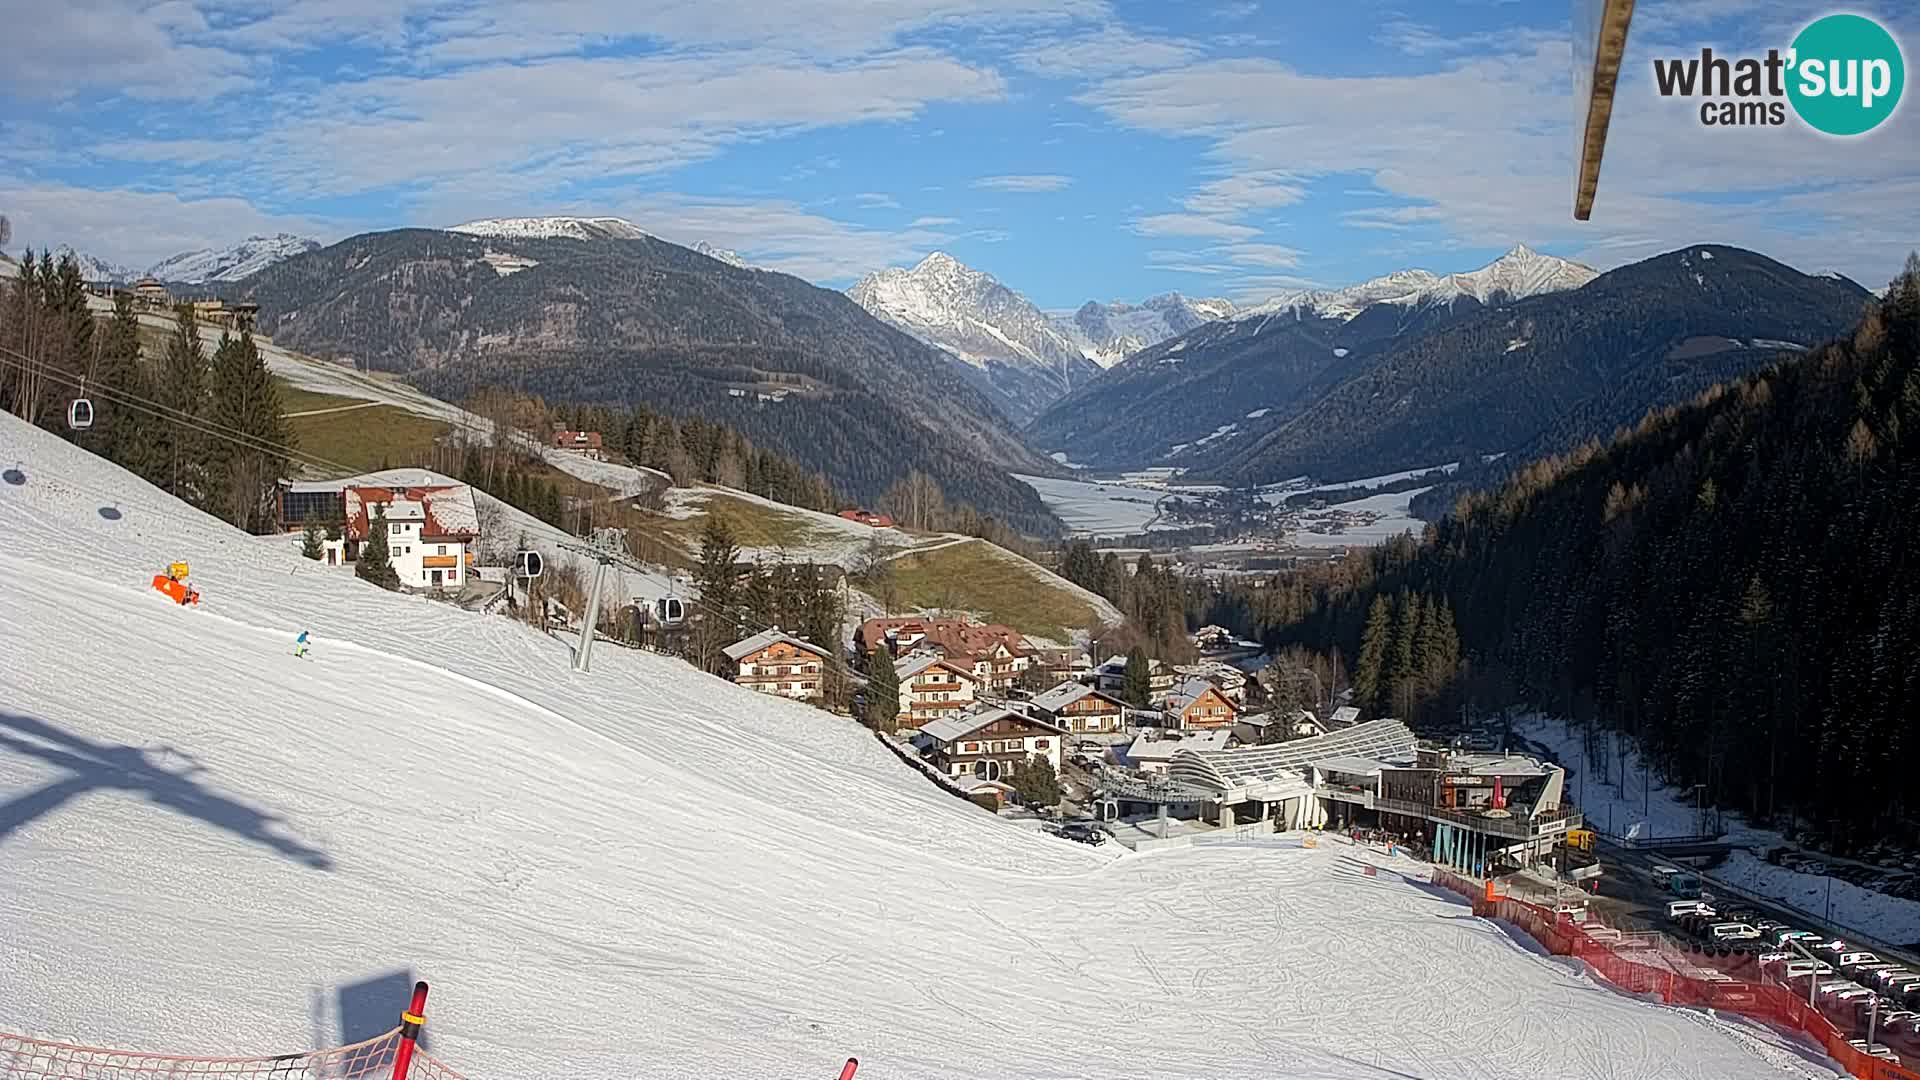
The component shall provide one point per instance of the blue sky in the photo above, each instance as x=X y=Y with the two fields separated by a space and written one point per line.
x=1076 y=149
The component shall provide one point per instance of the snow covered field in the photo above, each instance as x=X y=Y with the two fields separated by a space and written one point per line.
x=1617 y=807
x=1396 y=519
x=1101 y=509
x=645 y=871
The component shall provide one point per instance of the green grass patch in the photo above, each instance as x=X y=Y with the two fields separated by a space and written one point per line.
x=360 y=439
x=293 y=399
x=754 y=525
x=1000 y=586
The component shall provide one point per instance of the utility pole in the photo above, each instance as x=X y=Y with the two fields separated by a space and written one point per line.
x=583 y=655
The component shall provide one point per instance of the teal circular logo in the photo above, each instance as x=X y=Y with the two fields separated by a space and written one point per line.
x=1846 y=75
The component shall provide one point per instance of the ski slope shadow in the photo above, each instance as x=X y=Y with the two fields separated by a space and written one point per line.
x=105 y=767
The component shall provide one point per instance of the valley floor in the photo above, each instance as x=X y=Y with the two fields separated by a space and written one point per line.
x=644 y=871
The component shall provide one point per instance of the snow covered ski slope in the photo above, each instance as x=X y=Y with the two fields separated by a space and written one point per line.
x=645 y=872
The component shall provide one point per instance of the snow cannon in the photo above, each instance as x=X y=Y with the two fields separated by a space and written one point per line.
x=173 y=583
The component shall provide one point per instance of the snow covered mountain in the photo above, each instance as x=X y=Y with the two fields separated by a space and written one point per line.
x=249 y=256
x=94 y=269
x=570 y=228
x=1107 y=333
x=1012 y=348
x=1518 y=274
x=731 y=258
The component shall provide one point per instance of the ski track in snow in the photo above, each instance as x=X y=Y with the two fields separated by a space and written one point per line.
x=645 y=871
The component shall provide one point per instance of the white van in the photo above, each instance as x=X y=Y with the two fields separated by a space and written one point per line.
x=1677 y=908
x=1796 y=969
x=1664 y=874
x=1734 y=931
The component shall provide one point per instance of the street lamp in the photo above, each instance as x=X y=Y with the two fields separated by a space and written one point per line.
x=1699 y=810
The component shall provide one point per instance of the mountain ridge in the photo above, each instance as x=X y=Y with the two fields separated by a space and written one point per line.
x=792 y=366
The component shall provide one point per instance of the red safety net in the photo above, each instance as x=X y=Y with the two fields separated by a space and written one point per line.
x=1649 y=963
x=36 y=1059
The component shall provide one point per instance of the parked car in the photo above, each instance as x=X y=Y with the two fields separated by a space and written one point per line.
x=1679 y=908
x=1733 y=931
x=1806 y=938
x=1855 y=959
x=1768 y=959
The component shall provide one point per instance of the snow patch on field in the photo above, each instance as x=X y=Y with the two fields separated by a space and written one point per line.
x=433 y=792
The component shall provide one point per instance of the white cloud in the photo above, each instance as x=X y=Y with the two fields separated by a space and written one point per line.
x=931 y=222
x=576 y=119
x=1486 y=151
x=1024 y=183
x=1246 y=192
x=73 y=48
x=1192 y=225
x=138 y=228
x=1269 y=255
x=781 y=235
x=1110 y=50
x=875 y=200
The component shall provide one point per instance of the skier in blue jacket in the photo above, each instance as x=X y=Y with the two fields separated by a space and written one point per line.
x=300 y=644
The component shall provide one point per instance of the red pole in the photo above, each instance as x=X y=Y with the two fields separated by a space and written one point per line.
x=411 y=1022
x=846 y=1072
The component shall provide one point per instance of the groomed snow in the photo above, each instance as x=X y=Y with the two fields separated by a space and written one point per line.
x=644 y=871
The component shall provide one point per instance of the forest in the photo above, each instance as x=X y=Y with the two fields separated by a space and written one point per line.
x=1733 y=583
x=208 y=429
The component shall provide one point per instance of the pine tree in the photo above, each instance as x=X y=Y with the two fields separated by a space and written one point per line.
x=125 y=434
x=181 y=392
x=376 y=563
x=1138 y=688
x=713 y=577
x=1369 y=670
x=883 y=692
x=758 y=600
x=1035 y=784
x=311 y=540
x=246 y=463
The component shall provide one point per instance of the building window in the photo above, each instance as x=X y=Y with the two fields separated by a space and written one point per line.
x=443 y=549
x=396 y=528
x=1039 y=744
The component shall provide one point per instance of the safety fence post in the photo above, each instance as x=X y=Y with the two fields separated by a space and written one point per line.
x=847 y=1070
x=411 y=1022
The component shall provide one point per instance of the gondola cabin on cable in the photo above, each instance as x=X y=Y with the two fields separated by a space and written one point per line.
x=80 y=414
x=527 y=564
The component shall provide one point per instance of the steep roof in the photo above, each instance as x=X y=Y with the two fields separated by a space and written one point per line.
x=948 y=728
x=444 y=510
x=746 y=647
x=914 y=663
x=1189 y=692
x=1069 y=692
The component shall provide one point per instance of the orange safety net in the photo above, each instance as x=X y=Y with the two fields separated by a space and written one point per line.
x=36 y=1059
x=1650 y=964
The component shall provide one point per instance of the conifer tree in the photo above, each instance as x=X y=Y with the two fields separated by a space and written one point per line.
x=882 y=712
x=180 y=389
x=246 y=462
x=125 y=433
x=1138 y=688
x=311 y=540
x=1370 y=669
x=376 y=561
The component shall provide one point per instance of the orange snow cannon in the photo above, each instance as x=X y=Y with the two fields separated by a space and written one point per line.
x=174 y=585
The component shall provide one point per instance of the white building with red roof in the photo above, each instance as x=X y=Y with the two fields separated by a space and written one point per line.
x=431 y=523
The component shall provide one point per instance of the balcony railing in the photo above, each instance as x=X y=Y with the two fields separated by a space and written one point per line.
x=1516 y=827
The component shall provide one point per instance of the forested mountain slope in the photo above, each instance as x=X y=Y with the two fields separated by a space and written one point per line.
x=796 y=368
x=1736 y=582
x=1544 y=373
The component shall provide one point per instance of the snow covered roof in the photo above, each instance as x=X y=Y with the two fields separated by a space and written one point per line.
x=1359 y=766
x=1221 y=770
x=746 y=647
x=1344 y=716
x=948 y=728
x=1147 y=748
x=1187 y=693
x=914 y=663
x=404 y=510
x=1066 y=694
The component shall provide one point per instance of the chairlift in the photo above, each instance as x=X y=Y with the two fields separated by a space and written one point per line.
x=527 y=564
